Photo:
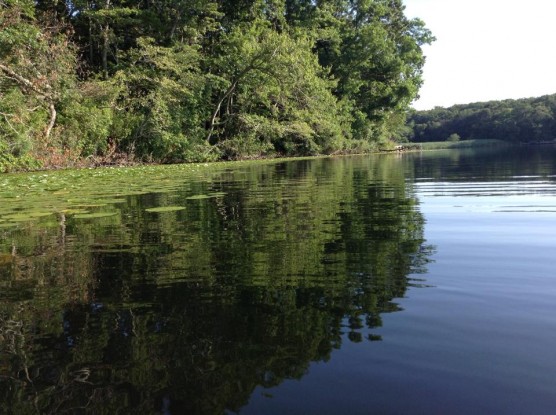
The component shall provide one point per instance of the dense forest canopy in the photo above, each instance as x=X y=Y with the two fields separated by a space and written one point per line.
x=517 y=121
x=177 y=80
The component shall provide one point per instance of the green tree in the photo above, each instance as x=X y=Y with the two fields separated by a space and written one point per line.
x=37 y=64
x=162 y=101
x=454 y=137
x=374 y=52
x=522 y=120
x=271 y=94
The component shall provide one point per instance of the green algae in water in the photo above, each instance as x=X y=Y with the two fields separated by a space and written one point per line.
x=164 y=209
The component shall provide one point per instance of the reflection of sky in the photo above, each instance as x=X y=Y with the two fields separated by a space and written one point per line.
x=533 y=196
x=486 y=50
x=480 y=339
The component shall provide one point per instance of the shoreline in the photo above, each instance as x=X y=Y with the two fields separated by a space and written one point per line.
x=118 y=160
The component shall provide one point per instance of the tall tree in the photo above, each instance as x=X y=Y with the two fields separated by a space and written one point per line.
x=375 y=53
x=272 y=93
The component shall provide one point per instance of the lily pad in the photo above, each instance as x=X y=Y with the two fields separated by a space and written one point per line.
x=94 y=215
x=163 y=209
x=132 y=193
x=75 y=211
x=25 y=216
x=39 y=214
x=217 y=194
x=198 y=197
x=111 y=201
x=87 y=205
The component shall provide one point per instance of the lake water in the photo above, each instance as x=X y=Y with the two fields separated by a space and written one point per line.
x=397 y=284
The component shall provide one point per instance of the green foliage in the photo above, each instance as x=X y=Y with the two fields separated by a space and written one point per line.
x=161 y=96
x=178 y=80
x=10 y=162
x=87 y=117
x=374 y=52
x=454 y=138
x=21 y=120
x=273 y=94
x=522 y=120
x=37 y=73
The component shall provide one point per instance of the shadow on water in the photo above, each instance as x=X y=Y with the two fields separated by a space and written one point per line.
x=266 y=269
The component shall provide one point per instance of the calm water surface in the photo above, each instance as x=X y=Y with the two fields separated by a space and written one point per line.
x=420 y=283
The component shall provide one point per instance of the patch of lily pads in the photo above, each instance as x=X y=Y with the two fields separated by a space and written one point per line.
x=90 y=193
x=164 y=209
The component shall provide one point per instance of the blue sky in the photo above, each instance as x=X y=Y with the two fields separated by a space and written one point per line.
x=486 y=50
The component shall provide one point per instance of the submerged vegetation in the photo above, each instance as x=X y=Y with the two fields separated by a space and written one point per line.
x=181 y=81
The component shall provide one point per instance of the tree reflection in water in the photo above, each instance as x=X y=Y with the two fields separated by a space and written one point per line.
x=189 y=311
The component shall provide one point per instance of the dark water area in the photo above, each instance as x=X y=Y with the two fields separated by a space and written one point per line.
x=414 y=283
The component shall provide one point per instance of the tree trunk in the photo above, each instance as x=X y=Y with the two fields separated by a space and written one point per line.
x=91 y=47
x=52 y=110
x=217 y=110
x=105 y=45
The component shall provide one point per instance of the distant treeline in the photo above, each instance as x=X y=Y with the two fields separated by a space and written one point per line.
x=518 y=121
x=192 y=80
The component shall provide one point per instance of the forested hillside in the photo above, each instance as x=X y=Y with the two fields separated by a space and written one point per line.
x=517 y=121
x=193 y=80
